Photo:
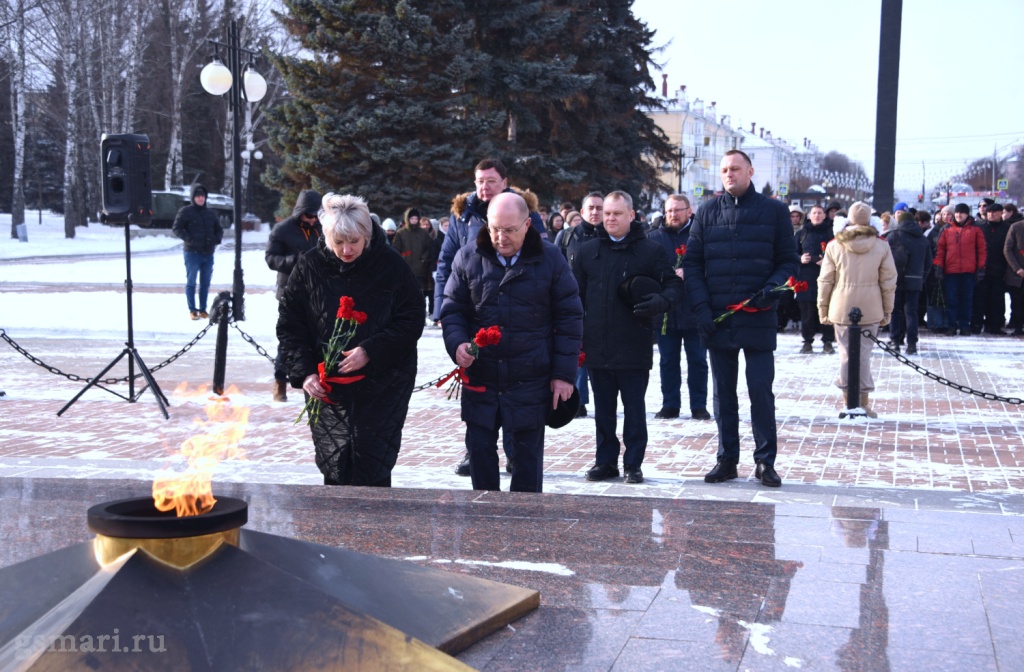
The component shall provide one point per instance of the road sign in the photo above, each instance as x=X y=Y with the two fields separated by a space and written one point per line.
x=783 y=189
x=1003 y=184
x=698 y=190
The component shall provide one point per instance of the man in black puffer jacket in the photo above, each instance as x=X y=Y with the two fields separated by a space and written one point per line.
x=198 y=226
x=520 y=283
x=741 y=247
x=915 y=257
x=289 y=239
x=618 y=335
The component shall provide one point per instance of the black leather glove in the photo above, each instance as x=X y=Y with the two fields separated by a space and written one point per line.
x=980 y=275
x=706 y=324
x=652 y=305
x=764 y=299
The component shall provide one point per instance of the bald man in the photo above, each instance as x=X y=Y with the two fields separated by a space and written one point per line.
x=513 y=279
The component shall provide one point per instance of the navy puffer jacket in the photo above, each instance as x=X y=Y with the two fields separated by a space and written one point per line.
x=536 y=305
x=468 y=217
x=739 y=246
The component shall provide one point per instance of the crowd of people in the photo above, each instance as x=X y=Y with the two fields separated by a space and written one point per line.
x=580 y=297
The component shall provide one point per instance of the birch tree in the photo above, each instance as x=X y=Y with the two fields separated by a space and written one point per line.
x=188 y=34
x=14 y=20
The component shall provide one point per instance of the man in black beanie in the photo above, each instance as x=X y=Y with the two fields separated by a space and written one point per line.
x=198 y=226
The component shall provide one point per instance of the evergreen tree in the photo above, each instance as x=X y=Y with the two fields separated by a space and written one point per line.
x=623 y=145
x=380 y=107
x=767 y=190
x=527 y=75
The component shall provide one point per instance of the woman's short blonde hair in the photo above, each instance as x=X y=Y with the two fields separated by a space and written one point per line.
x=346 y=216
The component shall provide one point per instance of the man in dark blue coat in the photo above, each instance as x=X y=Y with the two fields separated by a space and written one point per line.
x=469 y=216
x=741 y=247
x=679 y=330
x=515 y=280
x=199 y=227
x=618 y=330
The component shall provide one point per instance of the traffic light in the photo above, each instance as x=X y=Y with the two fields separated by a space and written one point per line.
x=127 y=184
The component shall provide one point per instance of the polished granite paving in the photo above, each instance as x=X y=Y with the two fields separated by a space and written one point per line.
x=654 y=583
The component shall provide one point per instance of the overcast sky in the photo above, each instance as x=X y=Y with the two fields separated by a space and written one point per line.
x=809 y=68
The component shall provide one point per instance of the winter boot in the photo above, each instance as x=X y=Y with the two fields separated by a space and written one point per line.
x=865 y=403
x=807 y=349
x=280 y=390
x=828 y=349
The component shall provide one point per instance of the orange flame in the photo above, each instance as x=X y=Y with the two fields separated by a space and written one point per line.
x=190 y=493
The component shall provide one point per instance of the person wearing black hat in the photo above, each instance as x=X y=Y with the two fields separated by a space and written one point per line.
x=989 y=313
x=514 y=280
x=618 y=329
x=199 y=227
x=289 y=239
x=741 y=249
x=959 y=260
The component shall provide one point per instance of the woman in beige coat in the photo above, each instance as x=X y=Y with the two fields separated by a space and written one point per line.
x=857 y=271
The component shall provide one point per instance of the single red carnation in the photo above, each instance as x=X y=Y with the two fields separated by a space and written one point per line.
x=582 y=360
x=358 y=316
x=345 y=306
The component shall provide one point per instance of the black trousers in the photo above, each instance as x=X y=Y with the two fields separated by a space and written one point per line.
x=760 y=373
x=989 y=313
x=527 y=457
x=810 y=324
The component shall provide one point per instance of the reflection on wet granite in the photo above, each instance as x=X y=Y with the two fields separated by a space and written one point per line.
x=652 y=584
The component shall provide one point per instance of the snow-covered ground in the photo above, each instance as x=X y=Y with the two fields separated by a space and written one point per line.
x=71 y=291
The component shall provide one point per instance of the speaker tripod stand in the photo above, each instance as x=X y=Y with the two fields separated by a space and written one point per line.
x=129 y=351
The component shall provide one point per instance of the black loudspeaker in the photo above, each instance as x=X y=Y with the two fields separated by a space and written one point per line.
x=127 y=183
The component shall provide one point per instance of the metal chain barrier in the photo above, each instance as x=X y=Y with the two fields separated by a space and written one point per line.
x=112 y=381
x=939 y=379
x=427 y=386
x=251 y=341
x=105 y=381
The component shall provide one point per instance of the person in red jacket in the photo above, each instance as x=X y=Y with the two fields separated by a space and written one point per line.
x=960 y=261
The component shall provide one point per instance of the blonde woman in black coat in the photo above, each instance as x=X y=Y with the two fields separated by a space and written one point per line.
x=359 y=430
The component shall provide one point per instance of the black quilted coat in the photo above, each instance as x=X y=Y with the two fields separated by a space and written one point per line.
x=358 y=437
x=537 y=306
x=739 y=246
x=613 y=337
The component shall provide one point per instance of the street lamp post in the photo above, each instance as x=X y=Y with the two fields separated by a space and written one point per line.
x=218 y=79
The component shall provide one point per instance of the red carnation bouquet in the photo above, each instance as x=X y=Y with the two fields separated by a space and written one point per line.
x=489 y=336
x=792 y=285
x=345 y=324
x=680 y=253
